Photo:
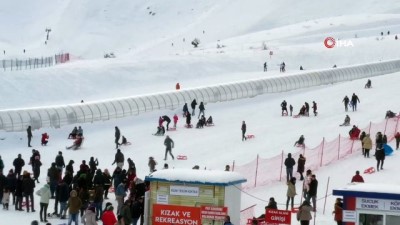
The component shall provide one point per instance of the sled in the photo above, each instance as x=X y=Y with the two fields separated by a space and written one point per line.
x=209 y=124
x=250 y=136
x=369 y=170
x=388 y=149
x=344 y=125
x=189 y=126
x=296 y=116
x=127 y=143
x=172 y=129
x=284 y=114
x=300 y=145
x=181 y=157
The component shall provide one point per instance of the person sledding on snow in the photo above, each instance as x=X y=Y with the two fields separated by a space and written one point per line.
x=368 y=84
x=284 y=108
x=346 y=121
x=160 y=131
x=77 y=143
x=302 y=111
x=354 y=132
x=300 y=142
x=209 y=121
x=201 y=123
x=390 y=114
x=73 y=133
x=125 y=141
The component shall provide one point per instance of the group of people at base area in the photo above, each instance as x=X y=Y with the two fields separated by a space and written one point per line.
x=74 y=194
x=351 y=102
x=304 y=110
x=202 y=121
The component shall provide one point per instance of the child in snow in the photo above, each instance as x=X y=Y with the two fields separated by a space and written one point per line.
x=175 y=120
x=45 y=139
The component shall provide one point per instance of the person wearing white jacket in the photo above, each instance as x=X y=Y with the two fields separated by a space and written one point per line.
x=89 y=218
x=45 y=195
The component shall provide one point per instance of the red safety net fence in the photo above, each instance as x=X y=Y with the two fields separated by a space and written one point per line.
x=260 y=172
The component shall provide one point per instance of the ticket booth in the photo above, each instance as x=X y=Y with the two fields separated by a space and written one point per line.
x=197 y=197
x=370 y=204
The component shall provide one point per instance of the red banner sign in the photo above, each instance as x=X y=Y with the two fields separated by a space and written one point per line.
x=214 y=212
x=173 y=214
x=278 y=216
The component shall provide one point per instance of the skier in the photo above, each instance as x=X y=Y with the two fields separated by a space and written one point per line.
x=167 y=119
x=193 y=105
x=29 y=134
x=169 y=144
x=244 y=127
x=284 y=107
x=185 y=109
x=314 y=107
x=117 y=136
x=307 y=111
x=175 y=120
x=354 y=100
x=346 y=101
x=201 y=109
x=265 y=67
x=291 y=109
x=346 y=121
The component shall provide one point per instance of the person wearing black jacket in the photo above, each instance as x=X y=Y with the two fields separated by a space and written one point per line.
x=307 y=112
x=119 y=159
x=18 y=164
x=12 y=184
x=18 y=194
x=29 y=134
x=354 y=100
x=137 y=209
x=166 y=118
x=117 y=136
x=62 y=196
x=185 y=109
x=289 y=163
x=169 y=144
x=53 y=174
x=28 y=186
x=346 y=101
x=193 y=105
x=60 y=164
x=3 y=184
x=244 y=128
x=201 y=109
x=70 y=167
x=312 y=192
x=107 y=182
x=188 y=119
x=93 y=163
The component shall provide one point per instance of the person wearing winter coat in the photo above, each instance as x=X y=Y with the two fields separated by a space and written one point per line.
x=357 y=178
x=227 y=220
x=53 y=175
x=80 y=131
x=117 y=137
x=167 y=119
x=18 y=164
x=291 y=109
x=338 y=211
x=107 y=182
x=169 y=145
x=108 y=216
x=284 y=107
x=312 y=191
x=346 y=121
x=291 y=192
x=152 y=164
x=346 y=101
x=36 y=168
x=45 y=139
x=354 y=100
x=120 y=194
x=11 y=181
x=28 y=186
x=45 y=195
x=62 y=196
x=29 y=135
x=188 y=119
x=301 y=165
x=89 y=218
x=289 y=163
x=300 y=142
x=119 y=159
x=201 y=109
x=367 y=145
x=314 y=107
x=193 y=105
x=362 y=136
x=6 y=198
x=307 y=112
x=73 y=206
x=98 y=200
x=380 y=151
x=244 y=128
x=73 y=133
x=93 y=163
x=304 y=213
x=185 y=110
x=137 y=210
x=175 y=120
x=126 y=212
x=397 y=137
x=60 y=163
x=19 y=194
x=160 y=121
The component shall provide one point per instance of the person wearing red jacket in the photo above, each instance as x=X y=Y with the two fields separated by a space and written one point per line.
x=45 y=139
x=357 y=178
x=108 y=216
x=175 y=120
x=397 y=137
x=160 y=121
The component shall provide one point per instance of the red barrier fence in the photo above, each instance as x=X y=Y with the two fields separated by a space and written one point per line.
x=321 y=155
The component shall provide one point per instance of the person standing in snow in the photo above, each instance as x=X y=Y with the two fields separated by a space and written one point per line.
x=289 y=163
x=18 y=164
x=307 y=112
x=367 y=145
x=354 y=100
x=346 y=101
x=284 y=107
x=185 y=109
x=265 y=67
x=301 y=162
x=169 y=145
x=175 y=120
x=117 y=137
x=201 y=109
x=314 y=107
x=397 y=137
x=244 y=128
x=291 y=192
x=29 y=134
x=193 y=105
x=152 y=164
x=291 y=109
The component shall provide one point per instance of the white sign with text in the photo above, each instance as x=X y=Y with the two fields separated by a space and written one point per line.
x=184 y=190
